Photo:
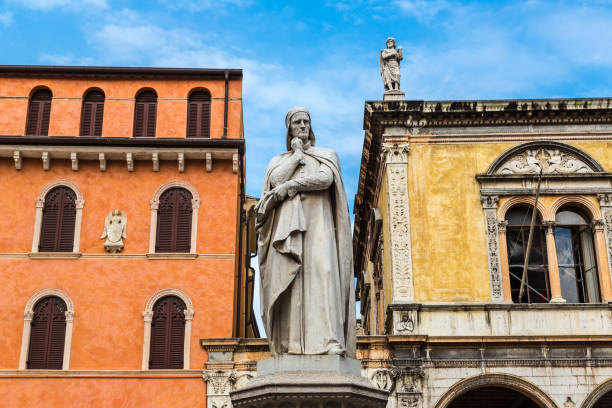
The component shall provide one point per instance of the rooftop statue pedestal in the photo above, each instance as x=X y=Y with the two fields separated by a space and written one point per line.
x=309 y=381
x=394 y=95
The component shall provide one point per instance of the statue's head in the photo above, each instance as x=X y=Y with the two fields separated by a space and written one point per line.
x=298 y=125
x=390 y=42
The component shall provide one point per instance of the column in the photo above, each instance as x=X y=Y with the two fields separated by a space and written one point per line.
x=602 y=260
x=489 y=205
x=605 y=202
x=395 y=159
x=553 y=264
x=503 y=260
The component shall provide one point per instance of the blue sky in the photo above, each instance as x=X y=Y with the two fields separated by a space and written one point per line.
x=324 y=54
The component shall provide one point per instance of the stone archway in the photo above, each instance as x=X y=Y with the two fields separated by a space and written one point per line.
x=600 y=397
x=495 y=390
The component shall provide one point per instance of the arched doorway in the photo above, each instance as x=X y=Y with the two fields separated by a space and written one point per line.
x=605 y=401
x=600 y=397
x=498 y=397
x=495 y=391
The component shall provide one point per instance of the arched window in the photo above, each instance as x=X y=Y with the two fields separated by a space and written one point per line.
x=198 y=114
x=174 y=217
x=536 y=284
x=145 y=114
x=47 y=334
x=167 y=333
x=58 y=221
x=92 y=113
x=39 y=111
x=576 y=256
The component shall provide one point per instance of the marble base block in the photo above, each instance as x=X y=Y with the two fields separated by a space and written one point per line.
x=309 y=382
x=394 y=95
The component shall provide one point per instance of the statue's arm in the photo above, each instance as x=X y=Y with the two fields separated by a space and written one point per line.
x=285 y=169
x=321 y=180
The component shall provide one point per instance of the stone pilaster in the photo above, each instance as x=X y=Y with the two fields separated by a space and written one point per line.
x=605 y=203
x=396 y=167
x=489 y=205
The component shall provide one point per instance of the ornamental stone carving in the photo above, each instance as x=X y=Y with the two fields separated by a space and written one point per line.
x=605 y=202
x=550 y=161
x=114 y=231
x=396 y=162
x=489 y=204
x=383 y=379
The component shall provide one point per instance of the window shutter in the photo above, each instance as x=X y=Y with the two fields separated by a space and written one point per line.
x=174 y=221
x=92 y=115
x=47 y=334
x=198 y=114
x=39 y=111
x=145 y=114
x=167 y=333
x=58 y=221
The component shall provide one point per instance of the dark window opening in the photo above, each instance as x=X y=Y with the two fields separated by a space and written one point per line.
x=92 y=114
x=576 y=257
x=145 y=114
x=174 y=221
x=47 y=334
x=198 y=114
x=167 y=333
x=39 y=112
x=58 y=221
x=536 y=285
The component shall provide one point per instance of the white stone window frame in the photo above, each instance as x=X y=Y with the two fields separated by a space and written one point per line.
x=195 y=206
x=148 y=318
x=40 y=203
x=27 y=325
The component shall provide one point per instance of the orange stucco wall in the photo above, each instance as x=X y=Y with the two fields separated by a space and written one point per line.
x=110 y=292
x=116 y=393
x=119 y=105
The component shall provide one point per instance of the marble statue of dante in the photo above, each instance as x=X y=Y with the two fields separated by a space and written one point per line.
x=389 y=61
x=305 y=248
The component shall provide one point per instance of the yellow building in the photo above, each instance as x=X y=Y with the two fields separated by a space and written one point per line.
x=450 y=315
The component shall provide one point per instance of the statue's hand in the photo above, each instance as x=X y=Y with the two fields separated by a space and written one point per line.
x=297 y=144
x=280 y=192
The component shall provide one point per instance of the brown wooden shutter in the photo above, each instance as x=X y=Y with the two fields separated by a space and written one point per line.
x=93 y=113
x=167 y=333
x=174 y=221
x=39 y=111
x=198 y=114
x=47 y=334
x=145 y=114
x=58 y=221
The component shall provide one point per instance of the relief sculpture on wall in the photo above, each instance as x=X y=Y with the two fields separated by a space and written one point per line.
x=114 y=231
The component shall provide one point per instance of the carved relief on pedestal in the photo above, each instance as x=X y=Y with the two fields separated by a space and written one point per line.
x=396 y=161
x=405 y=322
x=489 y=204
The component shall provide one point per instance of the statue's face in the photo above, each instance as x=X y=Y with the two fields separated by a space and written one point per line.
x=390 y=44
x=300 y=126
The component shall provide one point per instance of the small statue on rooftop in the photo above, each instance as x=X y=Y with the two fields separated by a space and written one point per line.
x=389 y=61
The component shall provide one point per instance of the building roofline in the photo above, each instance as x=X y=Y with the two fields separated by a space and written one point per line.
x=57 y=70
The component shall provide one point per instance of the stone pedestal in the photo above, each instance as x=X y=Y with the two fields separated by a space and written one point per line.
x=394 y=95
x=309 y=382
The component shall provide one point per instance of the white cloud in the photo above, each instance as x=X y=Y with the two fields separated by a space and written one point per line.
x=6 y=18
x=68 y=4
x=208 y=5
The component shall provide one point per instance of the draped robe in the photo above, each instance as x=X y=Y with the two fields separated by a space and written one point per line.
x=305 y=260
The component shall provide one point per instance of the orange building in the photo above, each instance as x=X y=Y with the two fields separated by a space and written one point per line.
x=115 y=321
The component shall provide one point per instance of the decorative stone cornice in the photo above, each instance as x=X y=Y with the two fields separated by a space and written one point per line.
x=419 y=114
